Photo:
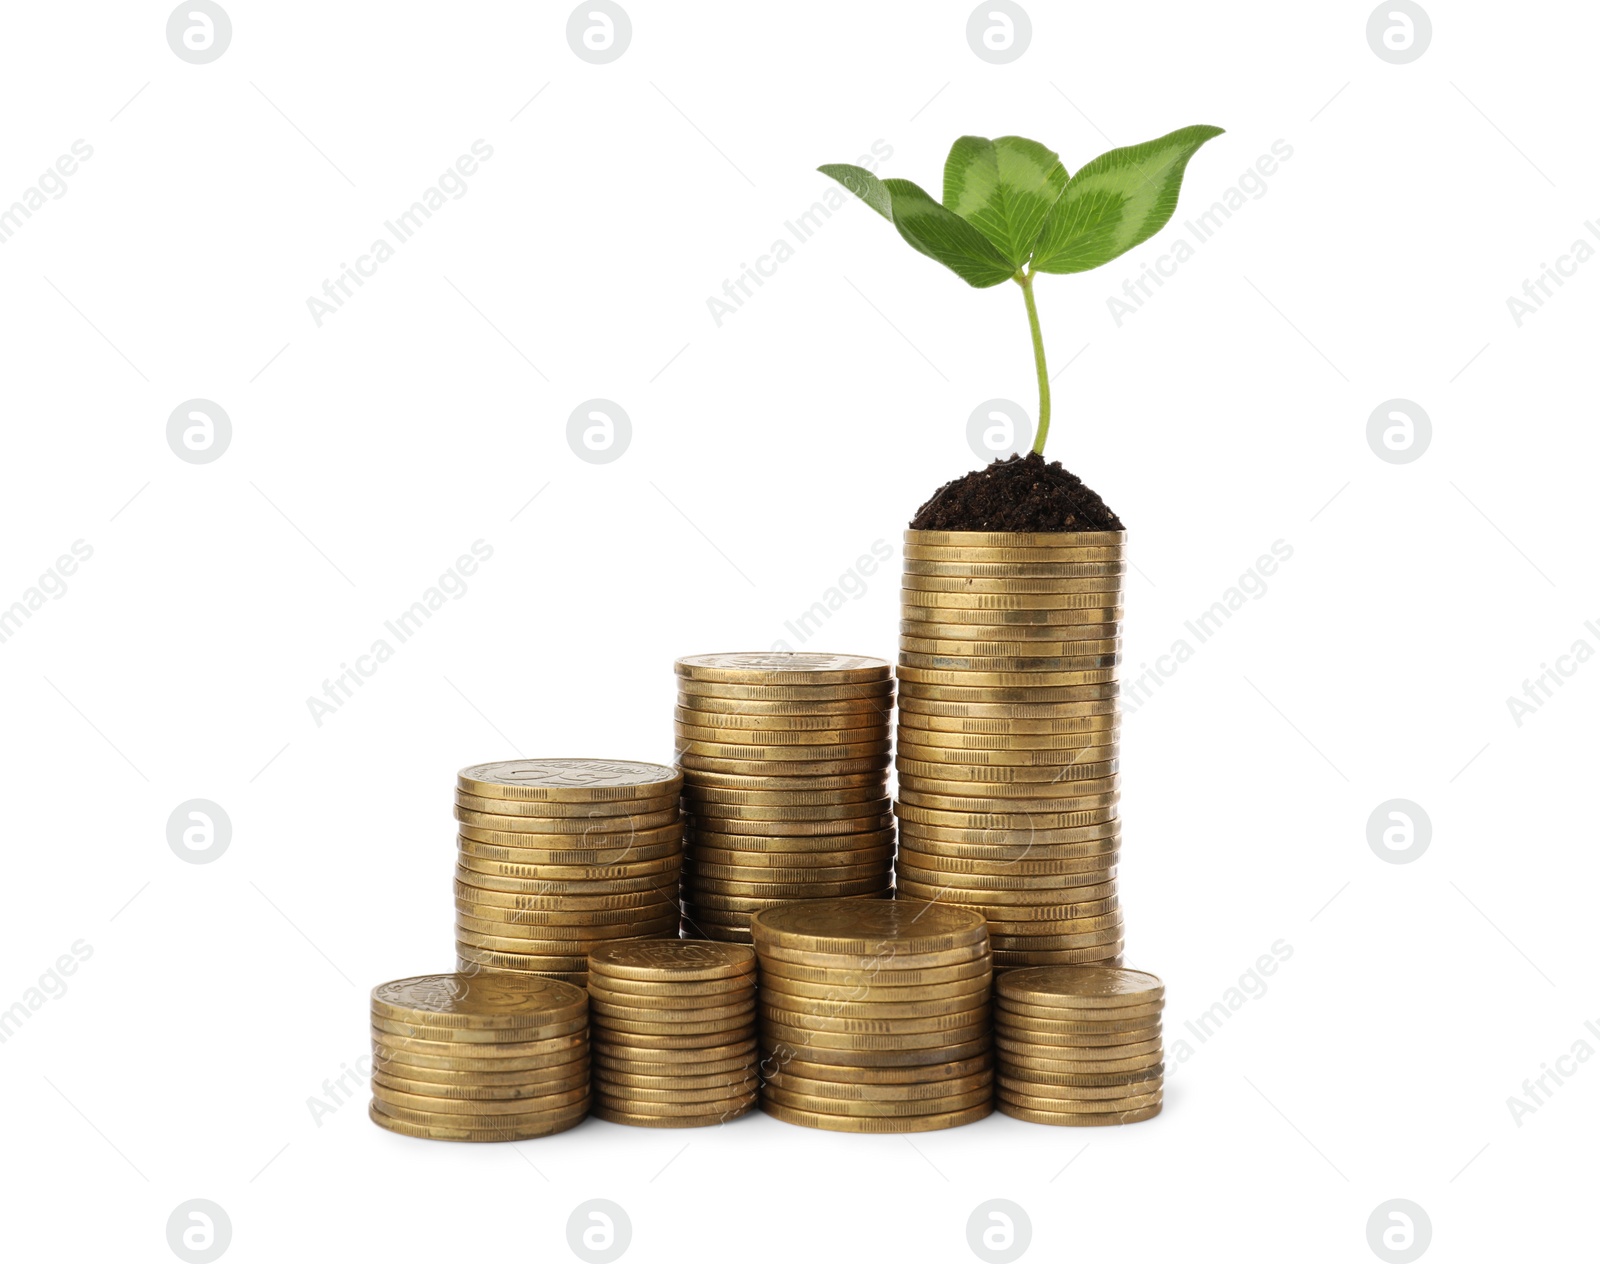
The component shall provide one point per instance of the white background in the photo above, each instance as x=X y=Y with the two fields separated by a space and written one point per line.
x=767 y=456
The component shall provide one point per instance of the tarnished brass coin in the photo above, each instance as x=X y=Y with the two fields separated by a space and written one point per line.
x=1027 y=1054
x=697 y=870
x=846 y=721
x=1037 y=942
x=706 y=1060
x=566 y=831
x=486 y=1001
x=775 y=1066
x=693 y=1101
x=674 y=961
x=869 y=1108
x=1077 y=1018
x=757 y=897
x=907 y=1001
x=1048 y=600
x=936 y=868
x=983 y=794
x=608 y=1027
x=867 y=1019
x=568 y=780
x=814 y=1041
x=806 y=814
x=1095 y=587
x=936 y=1091
x=784 y=753
x=689 y=690
x=1058 y=891
x=827 y=926
x=695 y=795
x=1053 y=750
x=666 y=1009
x=881 y=854
x=878 y=705
x=886 y=971
x=532 y=1089
x=1077 y=1121
x=740 y=827
x=498 y=921
x=1076 y=1039
x=1007 y=679
x=859 y=1123
x=765 y=770
x=581 y=940
x=532 y=1127
x=466 y=1040
x=781 y=1051
x=548 y=964
x=990 y=726
x=877 y=957
x=977 y=709
x=725 y=780
x=610 y=1043
x=1098 y=955
x=1044 y=1084
x=403 y=1105
x=962 y=778
x=628 y=868
x=701 y=734
x=506 y=903
x=627 y=876
x=979 y=646
x=635 y=1120
x=699 y=837
x=787 y=667
x=1019 y=820
x=598 y=813
x=395 y=1053
x=1057 y=843
x=968 y=662
x=740 y=1077
x=1078 y=1106
x=1082 y=988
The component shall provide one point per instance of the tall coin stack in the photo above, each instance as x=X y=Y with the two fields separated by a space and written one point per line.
x=1008 y=736
x=674 y=1031
x=479 y=1057
x=1079 y=1045
x=785 y=762
x=558 y=856
x=875 y=1015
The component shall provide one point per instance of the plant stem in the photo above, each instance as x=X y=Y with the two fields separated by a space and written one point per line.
x=1025 y=280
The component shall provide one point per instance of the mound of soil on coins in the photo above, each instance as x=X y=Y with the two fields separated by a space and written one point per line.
x=1021 y=493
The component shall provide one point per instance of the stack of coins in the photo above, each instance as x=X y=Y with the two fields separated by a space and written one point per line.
x=559 y=855
x=479 y=1057
x=875 y=1015
x=1079 y=1045
x=785 y=762
x=1008 y=737
x=674 y=1023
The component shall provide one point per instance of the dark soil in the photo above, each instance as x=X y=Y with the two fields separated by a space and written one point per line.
x=1021 y=493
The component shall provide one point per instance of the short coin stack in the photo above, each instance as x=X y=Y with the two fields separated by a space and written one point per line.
x=560 y=855
x=875 y=1015
x=1008 y=736
x=1079 y=1045
x=674 y=1029
x=785 y=762
x=479 y=1057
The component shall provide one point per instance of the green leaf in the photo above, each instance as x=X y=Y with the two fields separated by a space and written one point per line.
x=1004 y=188
x=862 y=183
x=1117 y=201
x=929 y=228
x=945 y=236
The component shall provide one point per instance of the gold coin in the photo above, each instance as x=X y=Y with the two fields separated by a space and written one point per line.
x=873 y=1017
x=710 y=780
x=1101 y=955
x=533 y=1089
x=1061 y=1035
x=671 y=961
x=568 y=780
x=561 y=831
x=1111 y=572
x=401 y=1104
x=553 y=871
x=636 y=1120
x=1002 y=727
x=914 y=709
x=482 y=1002
x=1104 y=587
x=550 y=964
x=920 y=1091
x=1046 y=750
x=1071 y=1061
x=967 y=553
x=977 y=540
x=675 y=1101
x=987 y=653
x=783 y=753
x=700 y=838
x=582 y=939
x=807 y=813
x=1081 y=1018
x=1032 y=696
x=773 y=860
x=914 y=612
x=666 y=1003
x=838 y=828
x=858 y=1123
x=1064 y=781
x=882 y=973
x=411 y=1058
x=789 y=1052
x=701 y=735
x=1008 y=679
x=1040 y=942
x=867 y=1108
x=926 y=864
x=805 y=1038
x=719 y=1041
x=877 y=957
x=756 y=897
x=1077 y=1121
x=1067 y=640
x=611 y=1028
x=696 y=869
x=695 y=795
x=1086 y=1096
x=562 y=1022
x=773 y=1067
x=479 y=898
x=891 y=999
x=597 y=812
x=782 y=668
x=1074 y=1106
x=846 y=927
x=964 y=665
x=494 y=845
x=623 y=861
x=1035 y=820
x=708 y=1060
x=1006 y=888
x=1117 y=1083
x=765 y=770
x=439 y=1132
x=728 y=1084
x=983 y=795
x=1083 y=988
x=604 y=1012
x=1047 y=600
x=843 y=721
x=579 y=925
x=873 y=708
x=689 y=690
x=1056 y=844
